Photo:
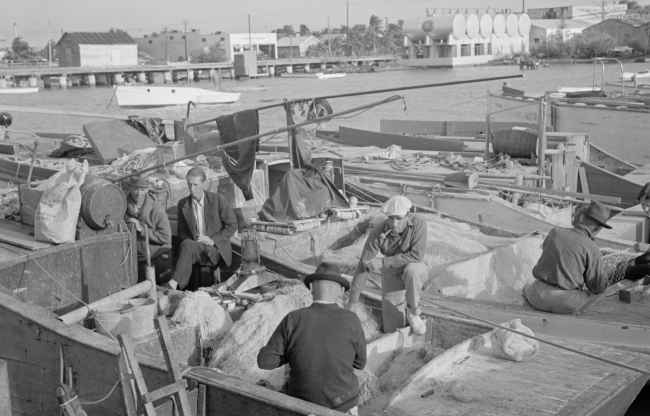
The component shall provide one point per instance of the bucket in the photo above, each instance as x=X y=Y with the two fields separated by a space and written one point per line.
x=143 y=315
x=113 y=319
x=516 y=142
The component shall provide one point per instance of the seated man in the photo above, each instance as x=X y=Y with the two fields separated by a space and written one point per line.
x=402 y=239
x=205 y=224
x=142 y=210
x=570 y=271
x=322 y=344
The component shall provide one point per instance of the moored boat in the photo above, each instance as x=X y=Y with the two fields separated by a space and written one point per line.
x=317 y=75
x=152 y=96
x=19 y=90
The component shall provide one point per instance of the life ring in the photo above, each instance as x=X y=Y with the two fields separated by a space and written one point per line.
x=321 y=109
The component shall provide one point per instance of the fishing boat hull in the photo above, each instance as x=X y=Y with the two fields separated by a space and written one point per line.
x=150 y=96
x=19 y=90
x=316 y=75
x=619 y=129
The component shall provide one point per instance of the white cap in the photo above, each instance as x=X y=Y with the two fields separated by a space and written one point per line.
x=397 y=205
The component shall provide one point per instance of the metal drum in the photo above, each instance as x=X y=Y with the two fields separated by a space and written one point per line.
x=516 y=142
x=102 y=203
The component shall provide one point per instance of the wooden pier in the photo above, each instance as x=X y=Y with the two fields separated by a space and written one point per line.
x=170 y=73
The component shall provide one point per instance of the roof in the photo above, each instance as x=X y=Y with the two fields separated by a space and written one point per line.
x=98 y=38
x=556 y=23
x=638 y=21
x=295 y=40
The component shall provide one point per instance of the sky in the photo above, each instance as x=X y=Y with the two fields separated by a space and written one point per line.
x=140 y=17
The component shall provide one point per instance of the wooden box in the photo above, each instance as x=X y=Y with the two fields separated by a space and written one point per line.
x=170 y=151
x=29 y=199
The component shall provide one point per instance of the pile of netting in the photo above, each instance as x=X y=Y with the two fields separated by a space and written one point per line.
x=237 y=353
x=621 y=259
x=498 y=277
x=394 y=372
x=199 y=310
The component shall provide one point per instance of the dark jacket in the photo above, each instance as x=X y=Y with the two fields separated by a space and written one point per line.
x=322 y=344
x=571 y=260
x=153 y=215
x=220 y=223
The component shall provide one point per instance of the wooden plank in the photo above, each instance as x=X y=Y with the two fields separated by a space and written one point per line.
x=127 y=389
x=22 y=240
x=602 y=198
x=5 y=399
x=115 y=138
x=584 y=183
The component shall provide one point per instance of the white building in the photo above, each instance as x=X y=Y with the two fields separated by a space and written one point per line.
x=540 y=29
x=593 y=14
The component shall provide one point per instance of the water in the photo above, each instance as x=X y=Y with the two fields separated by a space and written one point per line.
x=458 y=102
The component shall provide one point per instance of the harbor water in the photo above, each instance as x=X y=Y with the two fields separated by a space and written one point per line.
x=451 y=103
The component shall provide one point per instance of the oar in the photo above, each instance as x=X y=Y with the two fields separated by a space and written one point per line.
x=268 y=133
x=68 y=113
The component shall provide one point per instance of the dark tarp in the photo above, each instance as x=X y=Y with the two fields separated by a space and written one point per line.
x=150 y=126
x=300 y=153
x=303 y=193
x=239 y=160
x=69 y=150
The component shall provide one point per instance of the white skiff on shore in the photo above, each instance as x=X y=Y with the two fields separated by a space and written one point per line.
x=151 y=96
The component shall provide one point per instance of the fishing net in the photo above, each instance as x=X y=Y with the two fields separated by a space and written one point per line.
x=403 y=364
x=498 y=277
x=237 y=354
x=211 y=321
x=621 y=260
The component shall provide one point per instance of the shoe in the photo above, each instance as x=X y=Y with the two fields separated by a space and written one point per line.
x=417 y=324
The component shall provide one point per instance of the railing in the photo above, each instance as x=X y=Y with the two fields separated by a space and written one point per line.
x=19 y=63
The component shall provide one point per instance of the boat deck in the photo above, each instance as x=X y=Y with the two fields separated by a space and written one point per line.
x=17 y=240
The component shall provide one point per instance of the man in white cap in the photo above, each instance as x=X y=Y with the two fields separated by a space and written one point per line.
x=402 y=241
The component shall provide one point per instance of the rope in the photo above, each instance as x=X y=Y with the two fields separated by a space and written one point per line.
x=70 y=293
x=105 y=397
x=586 y=354
x=281 y=245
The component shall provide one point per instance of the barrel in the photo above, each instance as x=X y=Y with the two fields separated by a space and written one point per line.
x=113 y=319
x=473 y=26
x=512 y=25
x=101 y=202
x=143 y=315
x=516 y=142
x=499 y=25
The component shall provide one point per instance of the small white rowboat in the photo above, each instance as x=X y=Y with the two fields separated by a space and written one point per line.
x=18 y=90
x=317 y=75
x=150 y=96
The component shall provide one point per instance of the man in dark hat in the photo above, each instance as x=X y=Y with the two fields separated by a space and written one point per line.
x=322 y=344
x=570 y=271
x=142 y=210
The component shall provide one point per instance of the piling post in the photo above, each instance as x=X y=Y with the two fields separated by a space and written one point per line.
x=323 y=67
x=271 y=71
x=91 y=80
x=3 y=83
x=196 y=76
x=5 y=397
x=142 y=77
x=47 y=83
x=289 y=69
x=190 y=75
x=63 y=81
x=307 y=69
x=232 y=73
x=174 y=76
x=118 y=79
x=33 y=82
x=168 y=77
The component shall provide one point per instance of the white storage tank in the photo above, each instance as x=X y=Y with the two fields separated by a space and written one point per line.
x=485 y=25
x=436 y=27
x=512 y=25
x=499 y=25
x=524 y=25
x=473 y=26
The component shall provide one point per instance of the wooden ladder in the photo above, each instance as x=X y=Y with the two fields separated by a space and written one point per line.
x=130 y=369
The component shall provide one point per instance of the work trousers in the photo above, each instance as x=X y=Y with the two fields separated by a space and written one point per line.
x=400 y=289
x=549 y=298
x=640 y=269
x=192 y=252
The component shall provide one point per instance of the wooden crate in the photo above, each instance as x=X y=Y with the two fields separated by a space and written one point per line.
x=29 y=199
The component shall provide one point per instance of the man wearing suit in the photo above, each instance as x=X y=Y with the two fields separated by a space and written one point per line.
x=205 y=224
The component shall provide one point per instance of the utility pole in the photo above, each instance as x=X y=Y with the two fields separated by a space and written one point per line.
x=250 y=39
x=329 y=37
x=523 y=6
x=347 y=28
x=185 y=23
x=49 y=43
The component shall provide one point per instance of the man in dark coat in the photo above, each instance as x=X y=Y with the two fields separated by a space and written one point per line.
x=322 y=344
x=142 y=210
x=205 y=224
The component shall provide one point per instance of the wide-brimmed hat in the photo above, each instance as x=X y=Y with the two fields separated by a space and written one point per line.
x=328 y=271
x=598 y=212
x=138 y=182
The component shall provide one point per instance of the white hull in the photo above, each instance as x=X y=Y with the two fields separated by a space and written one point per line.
x=18 y=90
x=317 y=75
x=128 y=96
x=627 y=76
x=577 y=89
x=619 y=130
